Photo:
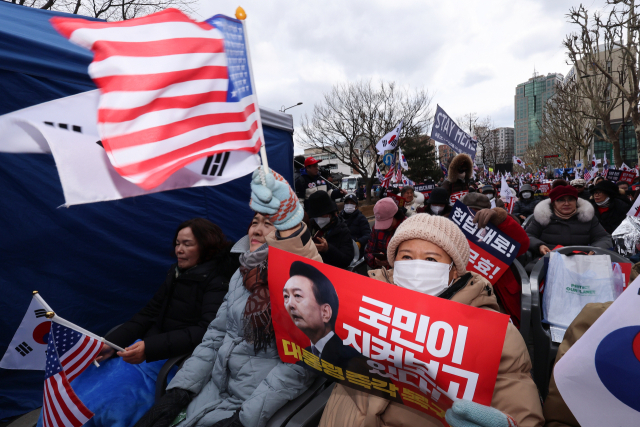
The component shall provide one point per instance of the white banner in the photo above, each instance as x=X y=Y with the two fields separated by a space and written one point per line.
x=67 y=128
x=598 y=377
x=28 y=346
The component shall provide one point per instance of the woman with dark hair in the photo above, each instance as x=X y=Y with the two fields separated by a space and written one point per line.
x=176 y=318
x=235 y=376
x=171 y=324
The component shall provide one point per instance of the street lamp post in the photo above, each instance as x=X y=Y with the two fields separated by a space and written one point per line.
x=282 y=109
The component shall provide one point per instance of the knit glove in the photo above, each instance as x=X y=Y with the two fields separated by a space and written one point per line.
x=272 y=197
x=465 y=413
x=166 y=409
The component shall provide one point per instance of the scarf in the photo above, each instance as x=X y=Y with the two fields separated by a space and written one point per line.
x=258 y=327
x=562 y=216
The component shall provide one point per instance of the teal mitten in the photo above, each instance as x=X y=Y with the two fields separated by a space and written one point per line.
x=465 y=413
x=272 y=197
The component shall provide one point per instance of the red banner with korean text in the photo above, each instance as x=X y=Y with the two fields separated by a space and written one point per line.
x=397 y=199
x=422 y=351
x=544 y=189
x=491 y=252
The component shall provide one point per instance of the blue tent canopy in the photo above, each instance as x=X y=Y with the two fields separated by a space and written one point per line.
x=95 y=264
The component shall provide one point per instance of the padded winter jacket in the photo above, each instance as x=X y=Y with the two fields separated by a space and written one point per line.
x=612 y=217
x=582 y=229
x=340 y=252
x=525 y=207
x=225 y=372
x=175 y=320
x=515 y=392
x=359 y=227
x=556 y=411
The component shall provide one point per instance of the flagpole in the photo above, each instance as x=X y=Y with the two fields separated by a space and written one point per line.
x=241 y=16
x=60 y=321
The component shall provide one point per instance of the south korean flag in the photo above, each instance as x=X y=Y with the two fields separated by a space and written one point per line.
x=29 y=344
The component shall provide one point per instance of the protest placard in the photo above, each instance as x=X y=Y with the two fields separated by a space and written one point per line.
x=425 y=189
x=635 y=209
x=457 y=196
x=397 y=199
x=402 y=345
x=598 y=377
x=616 y=175
x=544 y=189
x=491 y=251
x=446 y=131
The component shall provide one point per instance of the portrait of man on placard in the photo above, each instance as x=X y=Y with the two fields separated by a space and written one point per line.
x=312 y=303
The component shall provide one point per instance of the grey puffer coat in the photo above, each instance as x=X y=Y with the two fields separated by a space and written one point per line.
x=225 y=372
x=582 y=229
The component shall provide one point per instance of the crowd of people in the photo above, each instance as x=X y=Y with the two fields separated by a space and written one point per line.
x=214 y=303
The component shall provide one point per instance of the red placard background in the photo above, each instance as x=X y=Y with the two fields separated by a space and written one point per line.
x=482 y=350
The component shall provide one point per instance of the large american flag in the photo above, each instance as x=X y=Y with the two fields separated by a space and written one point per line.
x=68 y=354
x=173 y=91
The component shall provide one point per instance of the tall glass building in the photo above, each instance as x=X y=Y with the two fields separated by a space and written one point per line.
x=530 y=99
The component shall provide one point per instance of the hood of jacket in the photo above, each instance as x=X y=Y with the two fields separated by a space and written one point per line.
x=543 y=211
x=470 y=289
x=461 y=161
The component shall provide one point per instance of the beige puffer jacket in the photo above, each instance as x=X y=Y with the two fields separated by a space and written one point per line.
x=515 y=392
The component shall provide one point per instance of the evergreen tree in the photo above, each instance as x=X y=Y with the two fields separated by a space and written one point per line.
x=420 y=152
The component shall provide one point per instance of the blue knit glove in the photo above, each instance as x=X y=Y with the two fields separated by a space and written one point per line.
x=272 y=197
x=465 y=413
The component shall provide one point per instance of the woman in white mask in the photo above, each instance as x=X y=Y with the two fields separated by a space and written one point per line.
x=438 y=203
x=356 y=221
x=429 y=254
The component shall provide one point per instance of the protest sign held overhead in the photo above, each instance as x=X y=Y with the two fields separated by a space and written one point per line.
x=491 y=251
x=616 y=175
x=173 y=91
x=598 y=376
x=447 y=132
x=390 y=140
x=402 y=345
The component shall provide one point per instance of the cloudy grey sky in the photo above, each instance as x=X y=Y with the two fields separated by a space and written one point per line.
x=469 y=54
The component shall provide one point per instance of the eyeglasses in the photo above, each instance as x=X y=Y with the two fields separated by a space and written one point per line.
x=567 y=201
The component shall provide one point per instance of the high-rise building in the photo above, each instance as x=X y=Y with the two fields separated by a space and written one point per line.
x=445 y=154
x=503 y=142
x=530 y=100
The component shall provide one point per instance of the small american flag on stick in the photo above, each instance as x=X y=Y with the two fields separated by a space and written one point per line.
x=172 y=91
x=68 y=354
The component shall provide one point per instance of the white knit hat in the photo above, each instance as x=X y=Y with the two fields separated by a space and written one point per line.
x=435 y=229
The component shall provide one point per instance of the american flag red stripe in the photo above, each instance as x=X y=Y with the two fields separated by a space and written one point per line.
x=167 y=99
x=69 y=353
x=80 y=357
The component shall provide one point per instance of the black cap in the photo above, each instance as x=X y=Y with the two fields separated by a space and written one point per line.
x=439 y=196
x=351 y=198
x=320 y=203
x=607 y=187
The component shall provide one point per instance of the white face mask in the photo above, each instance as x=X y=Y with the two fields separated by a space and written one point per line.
x=427 y=277
x=489 y=196
x=604 y=202
x=437 y=209
x=322 y=222
x=349 y=208
x=526 y=195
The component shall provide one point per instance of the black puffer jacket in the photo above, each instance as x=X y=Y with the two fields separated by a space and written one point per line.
x=176 y=318
x=525 y=207
x=340 y=252
x=358 y=227
x=612 y=218
x=582 y=229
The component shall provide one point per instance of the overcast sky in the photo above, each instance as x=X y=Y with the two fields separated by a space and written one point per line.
x=469 y=54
